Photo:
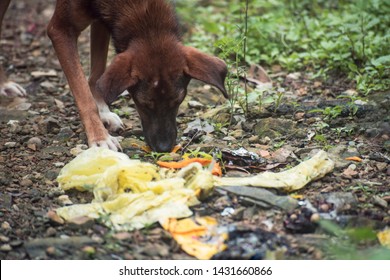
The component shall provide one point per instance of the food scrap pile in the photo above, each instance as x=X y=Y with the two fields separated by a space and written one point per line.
x=130 y=194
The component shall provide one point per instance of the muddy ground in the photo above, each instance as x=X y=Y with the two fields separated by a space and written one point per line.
x=38 y=134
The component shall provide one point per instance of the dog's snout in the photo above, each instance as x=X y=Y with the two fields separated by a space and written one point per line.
x=163 y=147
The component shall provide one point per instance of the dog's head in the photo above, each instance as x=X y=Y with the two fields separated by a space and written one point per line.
x=157 y=79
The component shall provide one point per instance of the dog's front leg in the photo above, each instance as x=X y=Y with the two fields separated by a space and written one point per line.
x=100 y=38
x=63 y=32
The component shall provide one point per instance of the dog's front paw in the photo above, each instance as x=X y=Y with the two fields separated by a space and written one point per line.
x=12 y=89
x=111 y=121
x=110 y=142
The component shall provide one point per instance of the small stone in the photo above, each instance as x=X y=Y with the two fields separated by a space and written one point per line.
x=122 y=235
x=10 y=144
x=13 y=125
x=195 y=104
x=381 y=166
x=51 y=251
x=16 y=243
x=89 y=250
x=52 y=215
x=315 y=218
x=4 y=238
x=48 y=86
x=253 y=139
x=5 y=226
x=238 y=133
x=64 y=200
x=51 y=232
x=52 y=125
x=5 y=248
x=64 y=134
x=380 y=201
x=25 y=183
x=293 y=217
x=265 y=140
x=34 y=143
x=352 y=166
x=324 y=207
x=59 y=164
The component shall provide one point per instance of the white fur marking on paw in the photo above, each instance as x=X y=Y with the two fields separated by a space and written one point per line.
x=12 y=89
x=110 y=120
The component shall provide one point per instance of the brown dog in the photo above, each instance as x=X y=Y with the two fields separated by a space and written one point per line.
x=151 y=63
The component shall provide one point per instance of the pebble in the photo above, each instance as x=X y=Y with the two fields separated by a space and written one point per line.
x=13 y=125
x=380 y=201
x=26 y=183
x=315 y=218
x=34 y=143
x=10 y=144
x=352 y=166
x=324 y=207
x=51 y=231
x=64 y=200
x=5 y=226
x=59 y=164
x=4 y=238
x=89 y=250
x=5 y=248
x=51 y=250
x=253 y=139
x=195 y=104
x=52 y=215
x=265 y=140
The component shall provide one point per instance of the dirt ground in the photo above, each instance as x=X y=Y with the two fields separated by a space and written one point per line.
x=38 y=134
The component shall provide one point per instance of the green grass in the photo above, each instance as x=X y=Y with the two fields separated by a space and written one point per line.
x=323 y=37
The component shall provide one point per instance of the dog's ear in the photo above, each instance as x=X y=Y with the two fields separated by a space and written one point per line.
x=206 y=68
x=118 y=77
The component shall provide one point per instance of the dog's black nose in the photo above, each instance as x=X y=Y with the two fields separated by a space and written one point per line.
x=163 y=147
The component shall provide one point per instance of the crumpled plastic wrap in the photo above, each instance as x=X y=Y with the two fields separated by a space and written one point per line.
x=130 y=194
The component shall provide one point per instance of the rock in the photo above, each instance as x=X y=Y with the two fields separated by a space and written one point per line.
x=64 y=134
x=82 y=147
x=25 y=183
x=273 y=128
x=51 y=125
x=52 y=215
x=4 y=238
x=51 y=232
x=336 y=154
x=380 y=201
x=51 y=174
x=254 y=139
x=34 y=143
x=48 y=86
x=193 y=104
x=5 y=226
x=10 y=144
x=5 y=248
x=14 y=126
x=64 y=200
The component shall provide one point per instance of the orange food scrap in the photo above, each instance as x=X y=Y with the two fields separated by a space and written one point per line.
x=217 y=171
x=183 y=163
x=357 y=159
x=176 y=148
